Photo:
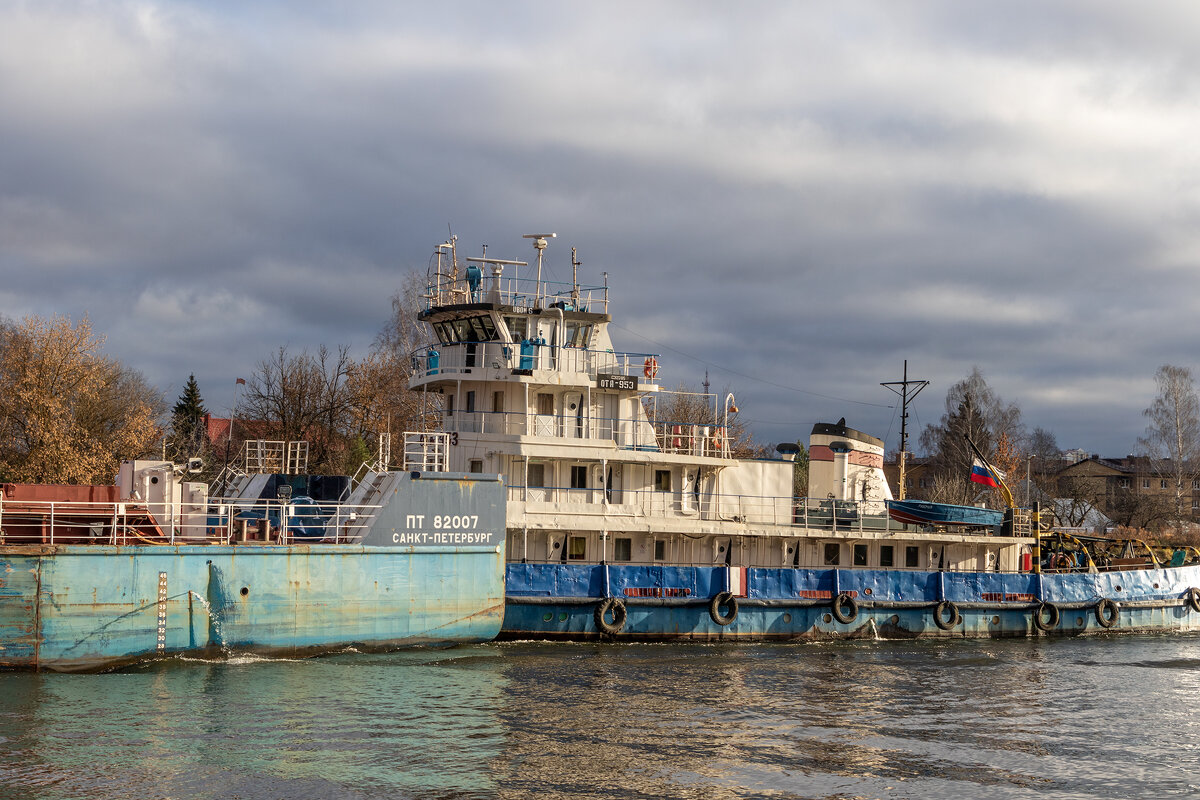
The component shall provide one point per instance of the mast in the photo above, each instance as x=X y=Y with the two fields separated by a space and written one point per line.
x=905 y=398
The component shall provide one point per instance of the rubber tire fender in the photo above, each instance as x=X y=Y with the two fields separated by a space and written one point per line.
x=848 y=616
x=1107 y=612
x=723 y=599
x=1193 y=598
x=619 y=614
x=1046 y=625
x=939 y=617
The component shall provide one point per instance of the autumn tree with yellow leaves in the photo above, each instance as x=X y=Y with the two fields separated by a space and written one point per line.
x=69 y=414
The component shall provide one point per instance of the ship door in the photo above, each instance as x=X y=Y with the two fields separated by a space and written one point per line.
x=573 y=415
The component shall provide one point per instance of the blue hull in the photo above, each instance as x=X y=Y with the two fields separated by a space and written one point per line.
x=559 y=601
x=89 y=607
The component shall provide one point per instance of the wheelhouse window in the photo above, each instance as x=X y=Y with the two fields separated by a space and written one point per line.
x=623 y=549
x=518 y=328
x=662 y=480
x=860 y=555
x=833 y=554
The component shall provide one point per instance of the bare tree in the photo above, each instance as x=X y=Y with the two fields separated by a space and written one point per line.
x=974 y=410
x=303 y=397
x=1172 y=438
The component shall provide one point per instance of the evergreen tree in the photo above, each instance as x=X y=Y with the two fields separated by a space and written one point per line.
x=187 y=419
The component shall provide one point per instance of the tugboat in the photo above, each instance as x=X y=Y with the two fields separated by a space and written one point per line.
x=625 y=525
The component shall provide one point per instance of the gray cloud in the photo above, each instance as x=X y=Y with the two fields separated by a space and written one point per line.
x=791 y=196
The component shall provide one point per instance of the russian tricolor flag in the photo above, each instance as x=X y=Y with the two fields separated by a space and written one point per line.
x=981 y=473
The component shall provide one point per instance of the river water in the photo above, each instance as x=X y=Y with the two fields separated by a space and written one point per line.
x=1111 y=717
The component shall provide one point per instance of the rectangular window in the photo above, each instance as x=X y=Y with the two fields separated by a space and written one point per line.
x=1145 y=483
x=576 y=548
x=833 y=554
x=886 y=555
x=476 y=465
x=545 y=404
x=518 y=328
x=470 y=403
x=623 y=549
x=578 y=477
x=498 y=402
x=660 y=550
x=912 y=556
x=662 y=480
x=860 y=555
x=449 y=405
x=1122 y=483
x=1162 y=484
x=537 y=475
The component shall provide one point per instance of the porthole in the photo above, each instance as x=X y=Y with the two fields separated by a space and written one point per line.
x=787 y=617
x=828 y=618
x=996 y=620
x=549 y=615
x=245 y=591
x=1118 y=588
x=1079 y=622
x=562 y=617
x=867 y=591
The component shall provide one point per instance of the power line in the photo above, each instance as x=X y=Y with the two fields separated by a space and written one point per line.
x=749 y=377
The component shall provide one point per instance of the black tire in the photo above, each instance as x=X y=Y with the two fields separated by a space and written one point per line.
x=1107 y=613
x=714 y=608
x=939 y=615
x=1041 y=611
x=618 y=616
x=851 y=605
x=1193 y=598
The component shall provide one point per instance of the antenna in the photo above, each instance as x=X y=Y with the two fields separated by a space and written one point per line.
x=905 y=397
x=539 y=244
x=575 y=265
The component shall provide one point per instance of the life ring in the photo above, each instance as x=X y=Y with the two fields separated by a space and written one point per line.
x=1046 y=624
x=1107 y=613
x=1193 y=598
x=618 y=616
x=851 y=608
x=714 y=608
x=718 y=439
x=650 y=367
x=939 y=615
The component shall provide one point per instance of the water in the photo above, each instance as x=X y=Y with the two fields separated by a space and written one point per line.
x=1096 y=718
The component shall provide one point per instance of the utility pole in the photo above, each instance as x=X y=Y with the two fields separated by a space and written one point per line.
x=905 y=397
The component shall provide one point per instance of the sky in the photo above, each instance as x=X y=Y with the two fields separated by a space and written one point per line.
x=794 y=197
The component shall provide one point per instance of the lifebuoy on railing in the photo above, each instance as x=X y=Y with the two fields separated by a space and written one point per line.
x=618 y=616
x=677 y=436
x=718 y=439
x=714 y=608
x=650 y=367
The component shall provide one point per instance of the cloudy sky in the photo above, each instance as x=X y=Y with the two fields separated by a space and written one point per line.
x=796 y=197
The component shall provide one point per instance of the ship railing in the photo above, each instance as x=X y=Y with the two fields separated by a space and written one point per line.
x=217 y=521
x=522 y=295
x=461 y=358
x=784 y=511
x=628 y=433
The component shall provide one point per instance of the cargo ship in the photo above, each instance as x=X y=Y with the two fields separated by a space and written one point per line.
x=624 y=523
x=96 y=577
